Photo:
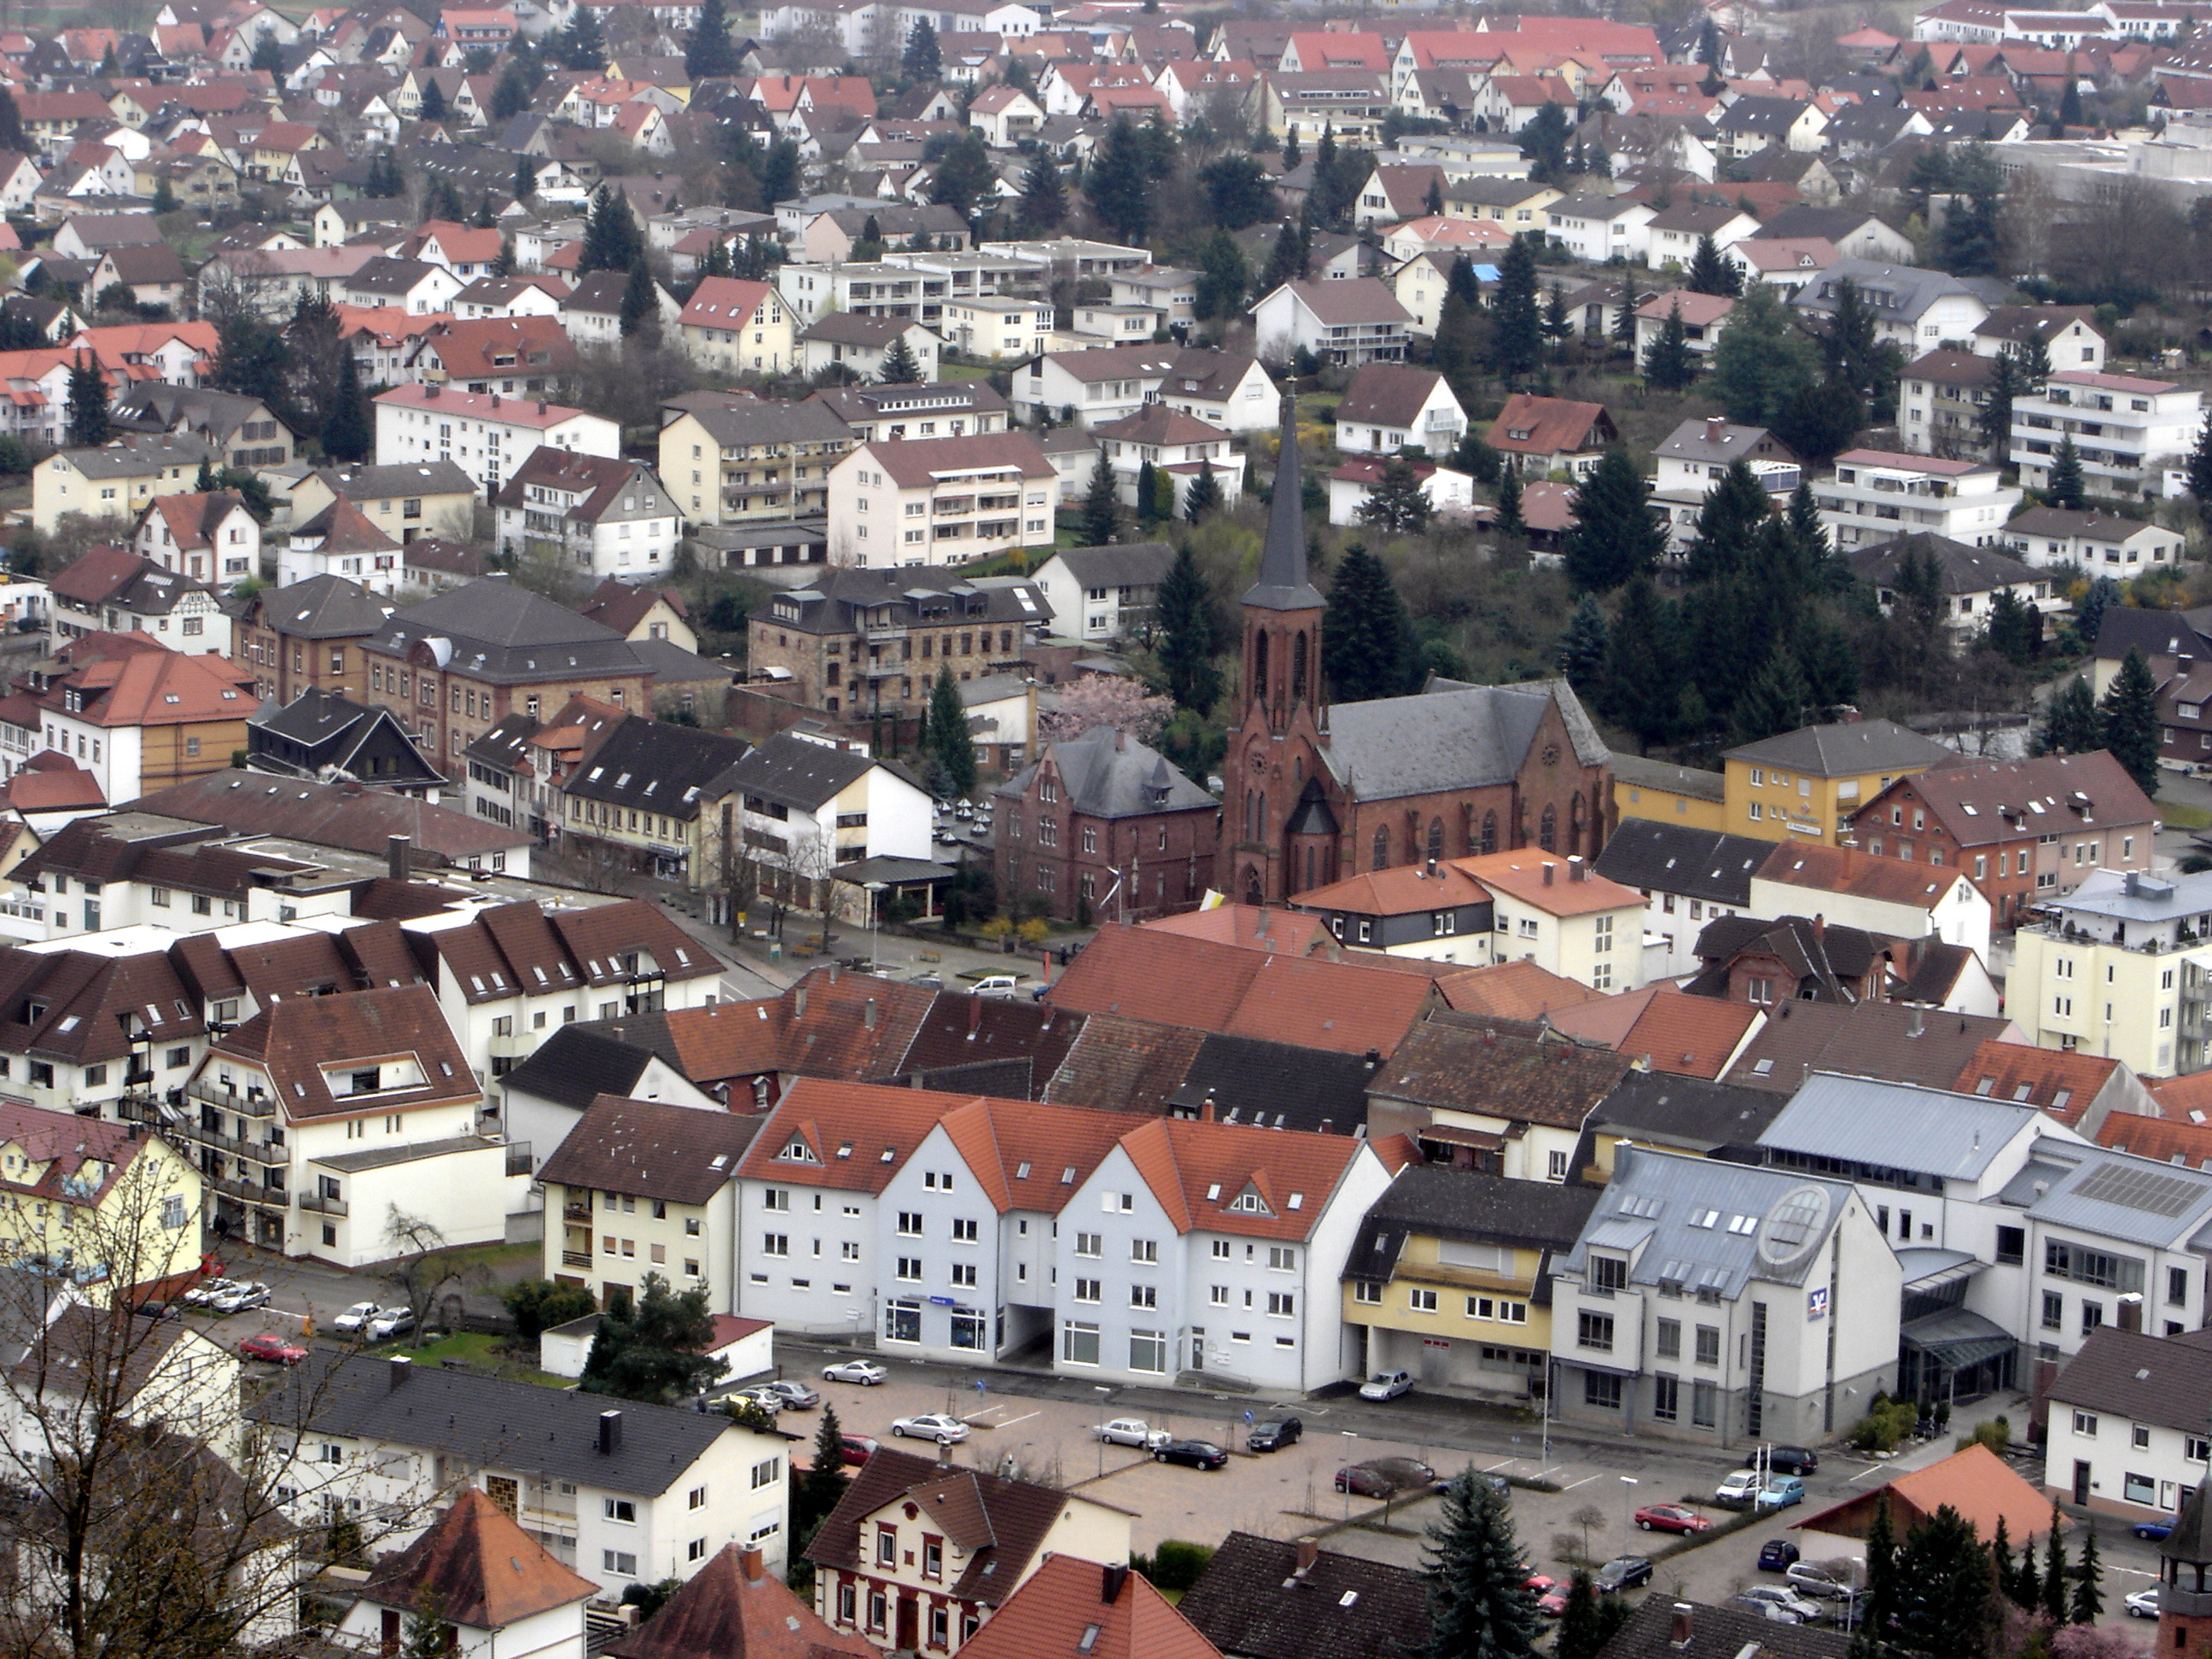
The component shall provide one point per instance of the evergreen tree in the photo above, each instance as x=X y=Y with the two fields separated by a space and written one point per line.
x=708 y=50
x=1869 y=1639
x=1396 y=502
x=88 y=425
x=1544 y=141
x=1760 y=363
x=1223 y=278
x=717 y=262
x=1995 y=420
x=815 y=1494
x=1291 y=155
x=2000 y=1558
x=1190 y=635
x=1615 y=536
x=1917 y=581
x=779 y=172
x=964 y=175
x=2054 y=1547
x=1857 y=357
x=1516 y=335
x=640 y=306
x=1821 y=421
x=268 y=54
x=655 y=1352
x=432 y=106
x=2088 y=1598
x=1510 y=521
x=12 y=125
x=1815 y=551
x=582 y=46
x=2015 y=629
x=1944 y=1592
x=1101 y=506
x=1462 y=283
x=1830 y=666
x=2070 y=724
x=2200 y=472
x=953 y=748
x=1239 y=193
x=1558 y=327
x=1043 y=203
x=1164 y=496
x=2027 y=1586
x=1286 y=263
x=2070 y=106
x=165 y=197
x=2065 y=488
x=1366 y=641
x=485 y=219
x=1667 y=364
x=1458 y=349
x=503 y=263
x=1204 y=496
x=611 y=241
x=350 y=433
x=2127 y=724
x=1775 y=702
x=1735 y=509
x=1583 y=647
x=1578 y=1636
x=1433 y=204
x=1711 y=273
x=1480 y=1604
x=1624 y=317
x=1969 y=241
x=1640 y=686
x=1120 y=184
x=510 y=94
x=922 y=61
x=1148 y=491
x=899 y=366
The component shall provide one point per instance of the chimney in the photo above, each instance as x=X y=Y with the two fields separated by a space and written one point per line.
x=868 y=1014
x=1820 y=927
x=1715 y=425
x=402 y=1369
x=750 y=1563
x=1678 y=1628
x=609 y=1433
x=495 y=400
x=1919 y=1024
x=1548 y=868
x=1432 y=869
x=1110 y=1580
x=398 y=850
x=1121 y=744
x=799 y=1001
x=1206 y=1108
x=2183 y=663
x=1308 y=1551
x=1577 y=871
x=975 y=1015
x=432 y=391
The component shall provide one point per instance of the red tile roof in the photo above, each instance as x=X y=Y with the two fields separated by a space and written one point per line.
x=1554 y=426
x=1522 y=875
x=293 y=1038
x=479 y=1569
x=2166 y=1139
x=1199 y=1172
x=731 y=1608
x=2060 y=1084
x=1063 y=1610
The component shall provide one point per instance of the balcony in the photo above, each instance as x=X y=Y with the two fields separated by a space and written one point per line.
x=576 y=1212
x=575 y=1258
x=249 y=1192
x=323 y=1203
x=254 y=1103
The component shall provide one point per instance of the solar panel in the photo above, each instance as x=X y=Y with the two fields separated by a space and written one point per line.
x=2140 y=1189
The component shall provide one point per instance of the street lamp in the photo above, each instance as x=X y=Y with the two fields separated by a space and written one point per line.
x=1105 y=1392
x=1628 y=1503
x=875 y=901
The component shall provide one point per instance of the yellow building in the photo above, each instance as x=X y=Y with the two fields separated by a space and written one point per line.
x=1448 y=1274
x=2121 y=970
x=1668 y=793
x=1808 y=782
x=103 y=1199
x=117 y=480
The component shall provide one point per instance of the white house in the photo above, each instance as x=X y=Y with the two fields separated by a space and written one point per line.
x=862 y=345
x=1596 y=228
x=939 y=500
x=487 y=435
x=808 y=808
x=1183 y=447
x=1389 y=407
x=2103 y=543
x=1876 y=495
x=605 y=517
x=1349 y=324
x=341 y=540
x=2127 y=431
x=1449 y=493
x=2127 y=1436
x=1104 y=383
x=1915 y=310
x=536 y=1606
x=1111 y=589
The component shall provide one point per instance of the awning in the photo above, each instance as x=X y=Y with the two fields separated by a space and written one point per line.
x=1957 y=1338
x=1450 y=1134
x=1931 y=1270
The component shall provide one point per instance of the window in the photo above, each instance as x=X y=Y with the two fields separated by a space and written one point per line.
x=909 y=1223
x=775 y=1244
x=1282 y=1304
x=1087 y=1243
x=2054 y=1310
x=1668 y=1339
x=1704 y=1404
x=2085 y=1423
x=1078 y=1343
x=1282 y=1260
x=1708 y=1344
x=963 y=1232
x=2139 y=1436
x=695 y=1498
x=1144 y=1249
x=1143 y=1296
x=621 y=1562
x=910 y=1268
x=1367 y=1291
x=2012 y=1245
x=1601 y=1390
x=766 y=1473
x=1666 y=1398
x=886 y=1546
x=2177 y=1286
x=1148 y=1351
x=620 y=1510
x=1595 y=1332
x=1607 y=1273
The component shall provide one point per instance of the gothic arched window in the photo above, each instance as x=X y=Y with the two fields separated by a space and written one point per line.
x=1547 y=833
x=1383 y=847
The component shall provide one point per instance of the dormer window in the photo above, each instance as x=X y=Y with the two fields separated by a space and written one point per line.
x=798 y=1151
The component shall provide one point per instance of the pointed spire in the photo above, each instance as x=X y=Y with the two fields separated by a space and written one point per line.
x=1283 y=584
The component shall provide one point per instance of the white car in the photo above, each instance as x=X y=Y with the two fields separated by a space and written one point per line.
x=767 y=1399
x=240 y=1296
x=1740 y=1488
x=1806 y=1609
x=996 y=985
x=1387 y=1385
x=930 y=1426
x=865 y=1372
x=355 y=1317
x=2143 y=1604
x=200 y=1295
x=1131 y=1431
x=1817 y=1581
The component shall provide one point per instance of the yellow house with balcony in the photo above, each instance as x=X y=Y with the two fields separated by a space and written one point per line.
x=107 y=1204
x=1450 y=1277
x=1805 y=785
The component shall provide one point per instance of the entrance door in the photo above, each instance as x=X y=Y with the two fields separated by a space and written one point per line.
x=2081 y=1482
x=1197 y=1350
x=908 y=1630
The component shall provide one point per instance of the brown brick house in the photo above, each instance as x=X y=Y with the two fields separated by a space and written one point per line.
x=309 y=637
x=1102 y=826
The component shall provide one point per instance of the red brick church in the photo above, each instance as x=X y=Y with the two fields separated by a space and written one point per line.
x=1314 y=793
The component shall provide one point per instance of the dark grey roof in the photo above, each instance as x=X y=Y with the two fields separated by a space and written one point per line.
x=1657 y=857
x=829 y=604
x=489 y=1422
x=1803 y=220
x=1641 y=771
x=2134 y=1374
x=1108 y=776
x=1276 y=1084
x=654 y=766
x=1688 y=1112
x=156 y=405
x=870 y=402
x=849 y=328
x=135 y=452
x=1902 y=292
x=576 y=1065
x=1436 y=1200
x=735 y=421
x=496 y=630
x=2154 y=632
x=1451 y=737
x=794 y=772
x=1845 y=749
x=1718 y=1633
x=501 y=745
x=1771 y=116
x=386 y=275
x=361 y=484
x=1961 y=569
x=1120 y=564
x=1284 y=584
x=1251 y=1603
x=671 y=665
x=1717 y=444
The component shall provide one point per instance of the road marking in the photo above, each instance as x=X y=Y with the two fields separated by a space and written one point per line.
x=1024 y=1418
x=1876 y=1469
x=1584 y=1481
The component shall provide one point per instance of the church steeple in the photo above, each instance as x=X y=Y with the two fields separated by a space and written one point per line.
x=1283 y=608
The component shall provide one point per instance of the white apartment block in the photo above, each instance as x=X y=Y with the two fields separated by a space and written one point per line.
x=487 y=435
x=940 y=501
x=2127 y=431
x=1875 y=495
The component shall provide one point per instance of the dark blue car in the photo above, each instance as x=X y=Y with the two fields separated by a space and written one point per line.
x=1776 y=1555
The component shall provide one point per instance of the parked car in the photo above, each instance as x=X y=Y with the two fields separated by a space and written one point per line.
x=1554 y=1601
x=272 y=1348
x=2143 y=1603
x=1624 y=1573
x=1196 y=1454
x=996 y=985
x=1738 y=1489
x=1387 y=1385
x=1819 y=1582
x=1540 y=1583
x=207 y=1290
x=1772 y=1612
x=930 y=1426
x=1131 y=1431
x=239 y=1297
x=1671 y=1517
x=1781 y=1492
x=353 y=1319
x=1791 y=1459
x=1273 y=1433
x=859 y=1449
x=2157 y=1531
x=796 y=1396
x=865 y=1372
x=760 y=1395
x=1806 y=1610
x=1383 y=1477
x=1776 y=1555
x=391 y=1321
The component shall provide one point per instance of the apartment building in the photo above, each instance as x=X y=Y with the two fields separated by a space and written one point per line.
x=2103 y=543
x=2122 y=967
x=645 y=798
x=112 y=590
x=485 y=434
x=406 y=503
x=794 y=813
x=116 y=481
x=939 y=500
x=732 y=327
x=936 y=409
x=727 y=458
x=141 y=717
x=2127 y=431
x=1508 y=1103
x=309 y=637
x=1812 y=782
x=1875 y=495
x=608 y=518
x=1559 y=915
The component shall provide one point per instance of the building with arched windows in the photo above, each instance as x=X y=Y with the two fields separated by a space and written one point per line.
x=1315 y=792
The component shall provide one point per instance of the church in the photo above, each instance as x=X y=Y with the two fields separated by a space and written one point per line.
x=1314 y=793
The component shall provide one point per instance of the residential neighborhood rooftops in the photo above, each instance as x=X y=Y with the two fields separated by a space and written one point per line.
x=1846 y=748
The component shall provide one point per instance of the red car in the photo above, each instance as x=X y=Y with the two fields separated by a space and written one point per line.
x=278 y=1350
x=858 y=1447
x=1671 y=1517
x=1554 y=1601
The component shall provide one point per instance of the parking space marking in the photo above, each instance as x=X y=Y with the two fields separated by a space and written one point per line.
x=1011 y=1421
x=1584 y=1481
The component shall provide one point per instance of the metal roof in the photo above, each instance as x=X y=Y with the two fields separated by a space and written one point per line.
x=2137 y=1199
x=1902 y=1126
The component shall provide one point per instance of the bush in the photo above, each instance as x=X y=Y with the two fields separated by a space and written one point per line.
x=1995 y=1435
x=1885 y=1423
x=537 y=1305
x=1176 y=1565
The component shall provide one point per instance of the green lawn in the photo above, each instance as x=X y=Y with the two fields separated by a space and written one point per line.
x=2175 y=816
x=962 y=371
x=480 y=1350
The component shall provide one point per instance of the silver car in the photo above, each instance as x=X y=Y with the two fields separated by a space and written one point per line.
x=865 y=1372
x=239 y=1297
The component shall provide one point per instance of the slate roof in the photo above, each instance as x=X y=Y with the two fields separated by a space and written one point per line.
x=579 y=1064
x=1108 y=776
x=1882 y=1039
x=1845 y=749
x=489 y=1422
x=657 y=766
x=1959 y=568
x=794 y=772
x=1436 y=1201
x=828 y=603
x=1692 y=1113
x=1658 y=857
x=1119 y=564
x=1246 y=1080
x=1251 y=1603
x=1718 y=1633
x=1388 y=394
x=681 y=1154
x=1465 y=1063
x=492 y=631
x=1450 y=737
x=2141 y=1377
x=369 y=483
x=108 y=574
x=1982 y=802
